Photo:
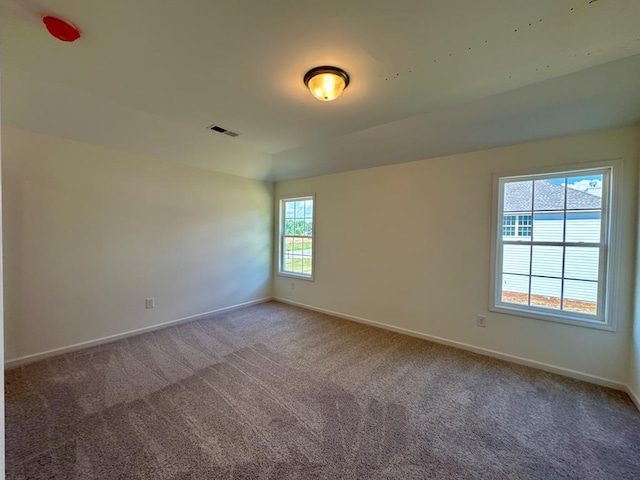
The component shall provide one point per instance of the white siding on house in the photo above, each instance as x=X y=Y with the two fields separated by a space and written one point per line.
x=547 y=261
x=579 y=290
x=548 y=227
x=515 y=283
x=546 y=287
x=581 y=227
x=583 y=230
x=580 y=263
x=516 y=259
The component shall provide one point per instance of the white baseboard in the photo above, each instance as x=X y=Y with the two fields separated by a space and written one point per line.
x=472 y=348
x=15 y=362
x=635 y=398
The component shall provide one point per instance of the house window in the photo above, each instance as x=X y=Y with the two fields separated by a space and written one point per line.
x=524 y=225
x=296 y=237
x=516 y=225
x=509 y=225
x=552 y=247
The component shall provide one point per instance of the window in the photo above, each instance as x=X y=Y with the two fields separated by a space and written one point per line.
x=296 y=237
x=509 y=225
x=552 y=248
x=516 y=225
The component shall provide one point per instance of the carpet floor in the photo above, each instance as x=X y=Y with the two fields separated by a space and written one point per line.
x=277 y=392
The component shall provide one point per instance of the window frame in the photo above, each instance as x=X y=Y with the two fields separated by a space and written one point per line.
x=281 y=223
x=609 y=261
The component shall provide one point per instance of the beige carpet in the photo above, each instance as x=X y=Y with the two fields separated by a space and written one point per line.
x=277 y=392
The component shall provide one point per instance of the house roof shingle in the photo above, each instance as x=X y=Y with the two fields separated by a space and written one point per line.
x=548 y=196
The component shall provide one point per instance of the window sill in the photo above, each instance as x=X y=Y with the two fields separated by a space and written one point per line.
x=551 y=317
x=308 y=278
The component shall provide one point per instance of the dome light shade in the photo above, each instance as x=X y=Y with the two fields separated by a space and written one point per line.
x=326 y=83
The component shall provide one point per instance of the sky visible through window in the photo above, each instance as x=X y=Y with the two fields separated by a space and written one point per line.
x=585 y=183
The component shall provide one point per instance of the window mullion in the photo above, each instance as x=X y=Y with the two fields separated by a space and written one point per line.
x=533 y=199
x=554 y=244
x=564 y=241
x=605 y=239
x=283 y=229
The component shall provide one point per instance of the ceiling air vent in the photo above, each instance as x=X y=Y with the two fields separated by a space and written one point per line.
x=219 y=129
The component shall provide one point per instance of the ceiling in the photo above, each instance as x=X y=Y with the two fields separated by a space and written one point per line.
x=428 y=77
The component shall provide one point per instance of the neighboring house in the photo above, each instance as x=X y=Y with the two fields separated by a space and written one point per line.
x=543 y=221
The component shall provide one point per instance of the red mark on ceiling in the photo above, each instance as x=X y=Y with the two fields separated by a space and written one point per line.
x=60 y=29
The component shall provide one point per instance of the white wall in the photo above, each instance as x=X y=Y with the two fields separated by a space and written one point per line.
x=409 y=245
x=90 y=232
x=634 y=356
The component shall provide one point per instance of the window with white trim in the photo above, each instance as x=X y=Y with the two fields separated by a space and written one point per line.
x=516 y=225
x=552 y=246
x=296 y=237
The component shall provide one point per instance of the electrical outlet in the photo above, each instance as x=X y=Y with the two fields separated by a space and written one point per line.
x=481 y=321
x=150 y=302
x=293 y=285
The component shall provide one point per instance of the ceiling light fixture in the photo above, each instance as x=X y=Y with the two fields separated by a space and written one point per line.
x=326 y=83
